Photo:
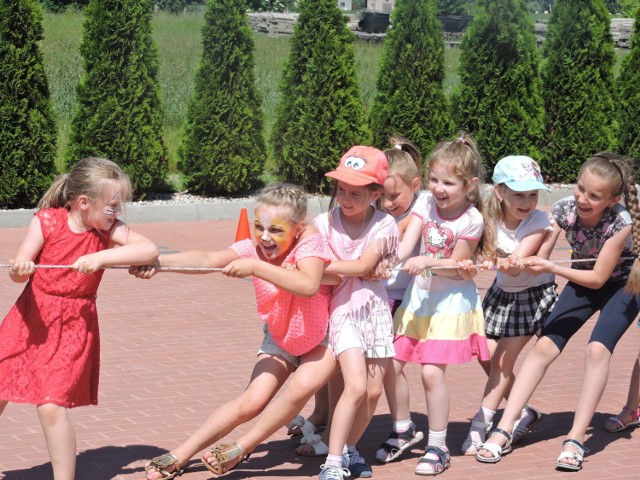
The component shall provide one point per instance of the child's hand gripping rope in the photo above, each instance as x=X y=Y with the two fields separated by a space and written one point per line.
x=140 y=271
x=534 y=264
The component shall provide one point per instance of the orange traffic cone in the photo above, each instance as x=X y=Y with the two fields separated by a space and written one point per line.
x=243 y=232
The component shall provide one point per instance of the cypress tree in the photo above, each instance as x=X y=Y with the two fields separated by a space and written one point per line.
x=410 y=98
x=223 y=150
x=499 y=99
x=629 y=97
x=320 y=114
x=119 y=113
x=578 y=88
x=27 y=125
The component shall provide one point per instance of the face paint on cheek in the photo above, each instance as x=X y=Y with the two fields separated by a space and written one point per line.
x=276 y=237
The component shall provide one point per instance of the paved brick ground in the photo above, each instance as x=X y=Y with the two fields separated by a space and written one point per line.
x=177 y=346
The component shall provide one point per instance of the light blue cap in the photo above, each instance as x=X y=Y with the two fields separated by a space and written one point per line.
x=518 y=172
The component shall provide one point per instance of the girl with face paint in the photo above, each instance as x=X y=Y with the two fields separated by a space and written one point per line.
x=287 y=263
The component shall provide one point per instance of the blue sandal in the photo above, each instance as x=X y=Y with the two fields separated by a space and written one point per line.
x=397 y=443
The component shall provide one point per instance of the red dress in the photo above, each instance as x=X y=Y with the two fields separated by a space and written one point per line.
x=49 y=340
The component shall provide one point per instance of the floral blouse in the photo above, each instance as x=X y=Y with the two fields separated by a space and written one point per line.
x=587 y=242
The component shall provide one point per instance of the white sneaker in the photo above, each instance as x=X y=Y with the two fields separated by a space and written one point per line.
x=330 y=472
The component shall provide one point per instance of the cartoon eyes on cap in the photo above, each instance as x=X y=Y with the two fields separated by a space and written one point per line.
x=354 y=163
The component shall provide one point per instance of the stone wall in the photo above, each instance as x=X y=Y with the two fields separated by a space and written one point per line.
x=621 y=30
x=283 y=23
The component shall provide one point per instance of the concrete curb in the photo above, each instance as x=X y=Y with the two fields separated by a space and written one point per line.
x=190 y=212
x=169 y=212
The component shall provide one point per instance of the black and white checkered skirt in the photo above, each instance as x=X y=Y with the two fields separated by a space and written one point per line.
x=515 y=314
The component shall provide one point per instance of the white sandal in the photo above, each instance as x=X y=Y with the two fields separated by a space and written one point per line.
x=320 y=449
x=496 y=450
x=577 y=457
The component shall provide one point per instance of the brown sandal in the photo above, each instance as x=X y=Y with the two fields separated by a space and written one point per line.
x=160 y=464
x=228 y=456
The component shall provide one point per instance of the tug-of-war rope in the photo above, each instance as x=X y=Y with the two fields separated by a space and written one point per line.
x=123 y=267
x=216 y=269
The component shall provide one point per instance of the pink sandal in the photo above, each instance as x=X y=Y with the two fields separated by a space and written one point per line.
x=617 y=424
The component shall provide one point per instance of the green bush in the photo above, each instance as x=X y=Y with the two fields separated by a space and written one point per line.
x=578 y=86
x=223 y=150
x=119 y=113
x=320 y=114
x=629 y=97
x=410 y=99
x=499 y=99
x=27 y=125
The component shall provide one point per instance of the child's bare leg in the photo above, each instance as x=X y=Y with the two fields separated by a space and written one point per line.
x=633 y=396
x=396 y=388
x=529 y=377
x=504 y=354
x=269 y=374
x=376 y=370
x=60 y=439
x=501 y=376
x=492 y=345
x=320 y=414
x=354 y=373
x=335 y=387
x=628 y=416
x=313 y=373
x=404 y=432
x=437 y=396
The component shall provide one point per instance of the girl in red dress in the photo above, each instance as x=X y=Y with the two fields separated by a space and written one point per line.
x=49 y=340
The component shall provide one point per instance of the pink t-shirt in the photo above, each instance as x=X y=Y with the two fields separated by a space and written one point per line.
x=355 y=299
x=297 y=324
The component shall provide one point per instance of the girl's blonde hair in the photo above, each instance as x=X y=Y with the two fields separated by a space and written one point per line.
x=619 y=172
x=462 y=158
x=404 y=159
x=91 y=177
x=493 y=213
x=285 y=195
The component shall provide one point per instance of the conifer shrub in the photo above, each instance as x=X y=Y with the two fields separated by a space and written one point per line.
x=410 y=99
x=223 y=149
x=629 y=97
x=499 y=98
x=27 y=124
x=119 y=114
x=578 y=88
x=320 y=114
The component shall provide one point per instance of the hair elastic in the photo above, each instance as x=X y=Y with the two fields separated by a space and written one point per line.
x=462 y=141
x=397 y=146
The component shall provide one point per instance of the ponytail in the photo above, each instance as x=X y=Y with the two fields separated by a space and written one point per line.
x=56 y=195
x=630 y=192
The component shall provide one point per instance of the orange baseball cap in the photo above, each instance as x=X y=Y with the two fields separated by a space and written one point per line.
x=361 y=166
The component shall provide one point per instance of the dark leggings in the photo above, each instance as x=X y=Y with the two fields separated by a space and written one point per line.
x=576 y=304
